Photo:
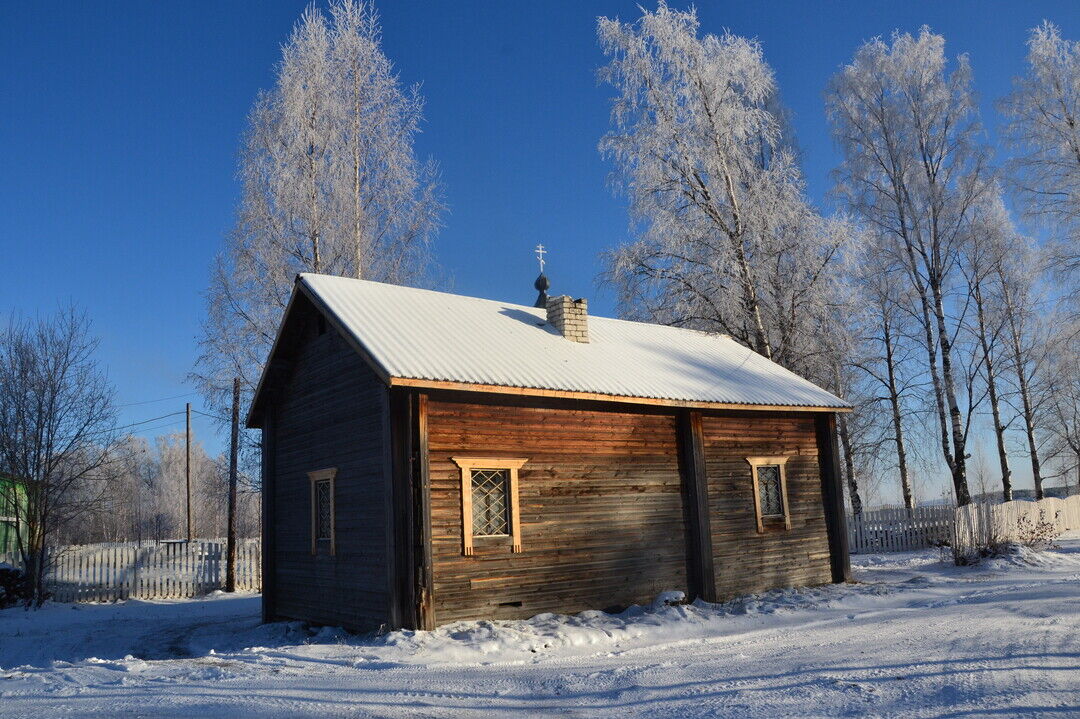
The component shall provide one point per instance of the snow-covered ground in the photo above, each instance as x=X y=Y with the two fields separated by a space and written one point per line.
x=915 y=638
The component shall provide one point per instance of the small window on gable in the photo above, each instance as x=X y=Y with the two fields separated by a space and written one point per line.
x=489 y=500
x=770 y=491
x=322 y=511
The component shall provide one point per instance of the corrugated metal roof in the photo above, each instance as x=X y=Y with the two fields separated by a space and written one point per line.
x=436 y=336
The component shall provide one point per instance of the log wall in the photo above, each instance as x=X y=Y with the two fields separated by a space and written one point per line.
x=747 y=561
x=330 y=411
x=602 y=517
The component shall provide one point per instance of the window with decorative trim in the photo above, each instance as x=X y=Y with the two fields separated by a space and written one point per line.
x=770 y=491
x=322 y=511
x=489 y=500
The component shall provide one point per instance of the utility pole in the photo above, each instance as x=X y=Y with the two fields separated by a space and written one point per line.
x=187 y=475
x=230 y=568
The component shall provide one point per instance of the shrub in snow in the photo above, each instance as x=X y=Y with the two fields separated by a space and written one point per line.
x=1001 y=539
x=1038 y=534
x=15 y=586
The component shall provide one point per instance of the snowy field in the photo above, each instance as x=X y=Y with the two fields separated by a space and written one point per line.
x=915 y=638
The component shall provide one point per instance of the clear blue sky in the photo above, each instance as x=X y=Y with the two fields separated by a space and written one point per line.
x=119 y=124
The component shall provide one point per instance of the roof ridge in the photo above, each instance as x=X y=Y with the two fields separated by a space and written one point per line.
x=514 y=305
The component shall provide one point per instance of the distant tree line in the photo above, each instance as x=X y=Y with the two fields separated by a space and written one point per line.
x=145 y=498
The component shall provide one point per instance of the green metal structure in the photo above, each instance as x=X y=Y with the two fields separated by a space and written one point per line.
x=12 y=505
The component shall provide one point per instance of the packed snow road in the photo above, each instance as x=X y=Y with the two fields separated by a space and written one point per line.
x=915 y=638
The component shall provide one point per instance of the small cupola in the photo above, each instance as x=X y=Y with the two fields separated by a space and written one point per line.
x=570 y=317
x=542 y=285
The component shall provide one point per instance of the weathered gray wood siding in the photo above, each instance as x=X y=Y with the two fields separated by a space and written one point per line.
x=331 y=411
x=602 y=520
x=747 y=561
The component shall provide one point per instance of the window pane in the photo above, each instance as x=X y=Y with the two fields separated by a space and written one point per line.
x=489 y=502
x=324 y=507
x=769 y=490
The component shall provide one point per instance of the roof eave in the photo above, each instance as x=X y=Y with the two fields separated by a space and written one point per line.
x=600 y=397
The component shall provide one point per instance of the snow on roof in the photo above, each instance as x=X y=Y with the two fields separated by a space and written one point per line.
x=436 y=336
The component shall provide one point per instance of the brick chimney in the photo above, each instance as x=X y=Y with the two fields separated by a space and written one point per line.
x=570 y=317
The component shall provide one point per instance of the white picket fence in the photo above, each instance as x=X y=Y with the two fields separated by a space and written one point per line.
x=159 y=570
x=981 y=525
x=899 y=530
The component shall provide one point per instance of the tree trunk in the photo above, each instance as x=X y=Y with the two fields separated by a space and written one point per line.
x=313 y=195
x=234 y=443
x=1025 y=393
x=1029 y=426
x=750 y=300
x=995 y=407
x=931 y=354
x=35 y=567
x=898 y=427
x=959 y=468
x=357 y=205
x=849 y=466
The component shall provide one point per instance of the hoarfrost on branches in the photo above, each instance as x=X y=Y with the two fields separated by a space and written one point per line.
x=330 y=184
x=914 y=167
x=726 y=239
x=1043 y=132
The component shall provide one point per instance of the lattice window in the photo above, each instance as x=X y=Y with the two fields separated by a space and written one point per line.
x=324 y=509
x=772 y=505
x=770 y=491
x=489 y=501
x=490 y=518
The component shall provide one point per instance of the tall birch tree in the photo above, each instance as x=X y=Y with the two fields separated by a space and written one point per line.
x=913 y=167
x=1027 y=339
x=726 y=240
x=990 y=237
x=1063 y=427
x=1043 y=132
x=330 y=183
x=885 y=352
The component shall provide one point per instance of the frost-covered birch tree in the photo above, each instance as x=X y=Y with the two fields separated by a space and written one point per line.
x=913 y=167
x=1043 y=132
x=330 y=183
x=1063 y=428
x=989 y=238
x=726 y=240
x=1027 y=338
x=884 y=354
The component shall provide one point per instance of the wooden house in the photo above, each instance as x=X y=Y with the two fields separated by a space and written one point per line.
x=429 y=457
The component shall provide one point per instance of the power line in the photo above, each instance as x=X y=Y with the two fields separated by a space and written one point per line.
x=148 y=421
x=211 y=416
x=135 y=424
x=152 y=401
x=168 y=425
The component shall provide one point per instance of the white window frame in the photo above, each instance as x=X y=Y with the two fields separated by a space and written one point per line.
x=756 y=462
x=322 y=475
x=467 y=465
